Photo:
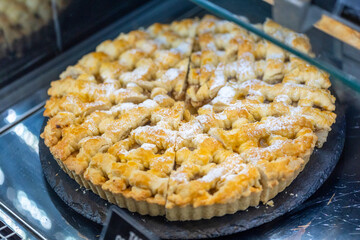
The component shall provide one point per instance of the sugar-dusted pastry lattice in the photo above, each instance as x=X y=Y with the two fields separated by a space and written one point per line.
x=191 y=120
x=226 y=51
x=136 y=169
x=209 y=180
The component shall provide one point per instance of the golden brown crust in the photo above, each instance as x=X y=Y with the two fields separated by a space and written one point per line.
x=193 y=119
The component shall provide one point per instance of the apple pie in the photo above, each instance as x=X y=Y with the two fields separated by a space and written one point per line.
x=193 y=119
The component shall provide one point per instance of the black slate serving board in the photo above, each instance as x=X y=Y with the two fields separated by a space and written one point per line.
x=318 y=169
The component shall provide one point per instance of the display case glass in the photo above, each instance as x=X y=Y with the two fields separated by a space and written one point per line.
x=29 y=62
x=334 y=40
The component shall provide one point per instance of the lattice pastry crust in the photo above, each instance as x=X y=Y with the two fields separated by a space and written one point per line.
x=191 y=120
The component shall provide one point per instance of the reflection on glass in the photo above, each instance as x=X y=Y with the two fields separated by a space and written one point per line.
x=32 y=208
x=12 y=224
x=59 y=236
x=21 y=18
x=2 y=177
x=70 y=238
x=28 y=137
x=10 y=193
x=11 y=117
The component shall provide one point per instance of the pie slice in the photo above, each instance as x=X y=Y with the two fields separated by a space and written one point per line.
x=223 y=53
x=209 y=181
x=279 y=147
x=134 y=172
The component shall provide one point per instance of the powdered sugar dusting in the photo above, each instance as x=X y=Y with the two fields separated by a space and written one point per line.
x=208 y=67
x=121 y=90
x=160 y=98
x=149 y=104
x=221 y=116
x=277 y=124
x=211 y=46
x=189 y=130
x=219 y=79
x=225 y=95
x=229 y=177
x=291 y=84
x=148 y=146
x=255 y=156
x=162 y=40
x=131 y=84
x=282 y=98
x=207 y=106
x=245 y=70
x=127 y=106
x=200 y=138
x=277 y=56
x=224 y=38
x=251 y=83
x=172 y=73
x=213 y=174
x=202 y=118
x=138 y=74
x=156 y=135
x=244 y=170
x=255 y=92
x=183 y=48
x=179 y=177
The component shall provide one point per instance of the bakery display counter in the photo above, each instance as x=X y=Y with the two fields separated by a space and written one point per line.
x=34 y=209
